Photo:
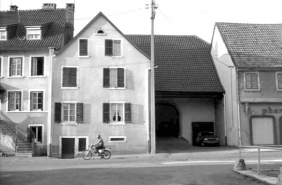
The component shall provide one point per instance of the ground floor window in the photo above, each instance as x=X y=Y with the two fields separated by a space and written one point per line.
x=81 y=144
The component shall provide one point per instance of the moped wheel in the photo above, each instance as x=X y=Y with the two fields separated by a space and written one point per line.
x=87 y=155
x=106 y=154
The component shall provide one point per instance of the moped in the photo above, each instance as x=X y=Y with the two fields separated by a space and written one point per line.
x=104 y=153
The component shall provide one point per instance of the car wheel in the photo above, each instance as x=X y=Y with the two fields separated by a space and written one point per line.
x=202 y=144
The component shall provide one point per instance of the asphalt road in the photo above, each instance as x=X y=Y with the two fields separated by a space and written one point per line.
x=182 y=169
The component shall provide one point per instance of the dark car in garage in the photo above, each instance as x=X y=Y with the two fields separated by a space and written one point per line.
x=205 y=138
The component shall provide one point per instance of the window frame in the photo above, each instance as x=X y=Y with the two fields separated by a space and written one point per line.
x=32 y=29
x=30 y=66
x=276 y=79
x=245 y=81
x=77 y=77
x=1 y=66
x=121 y=48
x=38 y=125
x=114 y=88
x=100 y=34
x=75 y=112
x=83 y=56
x=123 y=137
x=8 y=102
x=123 y=115
x=43 y=99
x=9 y=64
x=5 y=31
x=86 y=145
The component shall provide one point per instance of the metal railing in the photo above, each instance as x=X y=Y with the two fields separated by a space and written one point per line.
x=272 y=147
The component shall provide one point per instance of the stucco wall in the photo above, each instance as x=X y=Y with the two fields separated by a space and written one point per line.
x=91 y=93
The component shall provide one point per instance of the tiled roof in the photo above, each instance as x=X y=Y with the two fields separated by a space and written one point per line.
x=52 y=38
x=253 y=45
x=184 y=63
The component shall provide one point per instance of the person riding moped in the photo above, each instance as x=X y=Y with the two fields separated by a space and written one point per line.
x=100 y=144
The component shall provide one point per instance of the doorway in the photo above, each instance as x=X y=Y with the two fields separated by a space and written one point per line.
x=280 y=127
x=199 y=127
x=68 y=145
x=262 y=131
x=36 y=133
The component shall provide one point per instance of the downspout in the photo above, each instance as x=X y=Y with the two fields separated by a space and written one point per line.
x=49 y=122
x=225 y=121
x=238 y=108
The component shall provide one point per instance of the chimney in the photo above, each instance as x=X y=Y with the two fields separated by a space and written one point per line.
x=69 y=22
x=49 y=6
x=13 y=8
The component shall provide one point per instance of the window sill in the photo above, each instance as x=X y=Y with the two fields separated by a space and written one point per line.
x=256 y=90
x=279 y=90
x=116 y=88
x=16 y=77
x=37 y=76
x=27 y=111
x=117 y=124
x=117 y=57
x=73 y=88
x=69 y=123
x=100 y=34
x=84 y=56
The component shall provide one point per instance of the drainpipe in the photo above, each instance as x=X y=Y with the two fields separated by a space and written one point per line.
x=49 y=122
x=225 y=121
x=238 y=108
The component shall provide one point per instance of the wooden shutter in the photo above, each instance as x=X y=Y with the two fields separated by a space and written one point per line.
x=106 y=76
x=10 y=68
x=127 y=107
x=248 y=81
x=254 y=80
x=120 y=77
x=83 y=47
x=79 y=112
x=66 y=80
x=58 y=114
x=20 y=101
x=40 y=99
x=279 y=82
x=9 y=100
x=106 y=112
x=34 y=64
x=72 y=77
x=31 y=96
x=108 y=47
x=21 y=62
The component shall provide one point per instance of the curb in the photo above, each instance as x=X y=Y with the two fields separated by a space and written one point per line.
x=261 y=177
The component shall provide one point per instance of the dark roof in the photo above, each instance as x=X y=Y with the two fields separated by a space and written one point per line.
x=253 y=45
x=184 y=63
x=52 y=38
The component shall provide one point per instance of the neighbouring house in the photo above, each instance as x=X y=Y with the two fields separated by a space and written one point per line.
x=102 y=87
x=248 y=58
x=28 y=39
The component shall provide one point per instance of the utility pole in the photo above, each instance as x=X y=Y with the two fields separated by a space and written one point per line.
x=153 y=119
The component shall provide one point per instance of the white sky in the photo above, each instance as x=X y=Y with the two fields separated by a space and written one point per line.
x=173 y=17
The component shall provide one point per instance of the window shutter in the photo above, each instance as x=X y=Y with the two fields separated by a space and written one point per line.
x=21 y=66
x=83 y=50
x=279 y=80
x=120 y=77
x=66 y=79
x=127 y=107
x=248 y=81
x=34 y=66
x=106 y=112
x=58 y=109
x=79 y=112
x=31 y=97
x=72 y=77
x=254 y=81
x=40 y=99
x=108 y=47
x=106 y=79
x=9 y=99
x=10 y=70
x=20 y=101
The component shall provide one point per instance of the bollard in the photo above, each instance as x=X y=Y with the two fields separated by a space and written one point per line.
x=279 y=179
x=240 y=165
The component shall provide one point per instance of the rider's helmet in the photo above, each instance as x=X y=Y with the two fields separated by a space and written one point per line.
x=98 y=136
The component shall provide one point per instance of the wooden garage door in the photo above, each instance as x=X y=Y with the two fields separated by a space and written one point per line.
x=262 y=131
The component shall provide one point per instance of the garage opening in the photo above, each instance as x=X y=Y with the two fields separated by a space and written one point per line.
x=200 y=127
x=68 y=148
x=262 y=131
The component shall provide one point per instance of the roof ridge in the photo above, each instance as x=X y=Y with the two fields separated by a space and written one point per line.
x=248 y=23
x=6 y=11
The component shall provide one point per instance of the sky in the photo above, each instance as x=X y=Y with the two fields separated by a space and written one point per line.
x=173 y=17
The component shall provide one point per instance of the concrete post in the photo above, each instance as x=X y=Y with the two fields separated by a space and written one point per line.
x=279 y=178
x=240 y=165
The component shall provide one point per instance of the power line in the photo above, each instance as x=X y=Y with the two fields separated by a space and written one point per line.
x=170 y=21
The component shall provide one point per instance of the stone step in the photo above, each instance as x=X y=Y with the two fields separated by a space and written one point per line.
x=24 y=154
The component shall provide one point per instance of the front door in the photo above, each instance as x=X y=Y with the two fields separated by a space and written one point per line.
x=36 y=133
x=68 y=148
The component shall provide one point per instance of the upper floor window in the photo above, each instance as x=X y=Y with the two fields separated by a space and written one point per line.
x=36 y=100
x=3 y=35
x=113 y=47
x=37 y=66
x=69 y=77
x=116 y=112
x=16 y=66
x=14 y=100
x=279 y=81
x=114 y=78
x=83 y=47
x=252 y=81
x=33 y=34
x=101 y=32
x=69 y=112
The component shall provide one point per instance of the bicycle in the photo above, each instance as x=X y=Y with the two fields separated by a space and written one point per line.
x=103 y=153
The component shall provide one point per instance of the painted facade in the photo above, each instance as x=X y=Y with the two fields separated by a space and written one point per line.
x=252 y=107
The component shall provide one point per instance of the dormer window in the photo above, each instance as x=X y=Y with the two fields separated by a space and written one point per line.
x=3 y=34
x=33 y=34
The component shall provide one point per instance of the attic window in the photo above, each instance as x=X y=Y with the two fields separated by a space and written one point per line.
x=3 y=35
x=100 y=32
x=33 y=34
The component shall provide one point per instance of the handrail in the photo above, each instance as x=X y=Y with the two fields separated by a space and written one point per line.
x=273 y=147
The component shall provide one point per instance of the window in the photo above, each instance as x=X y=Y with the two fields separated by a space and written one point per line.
x=113 y=48
x=69 y=112
x=37 y=66
x=83 y=47
x=33 y=34
x=279 y=81
x=3 y=35
x=69 y=76
x=81 y=144
x=36 y=101
x=252 y=81
x=117 y=138
x=14 y=101
x=16 y=66
x=101 y=32
x=114 y=78
x=117 y=112
x=1 y=67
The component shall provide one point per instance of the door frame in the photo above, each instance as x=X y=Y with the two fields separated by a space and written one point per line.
x=75 y=144
x=38 y=125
